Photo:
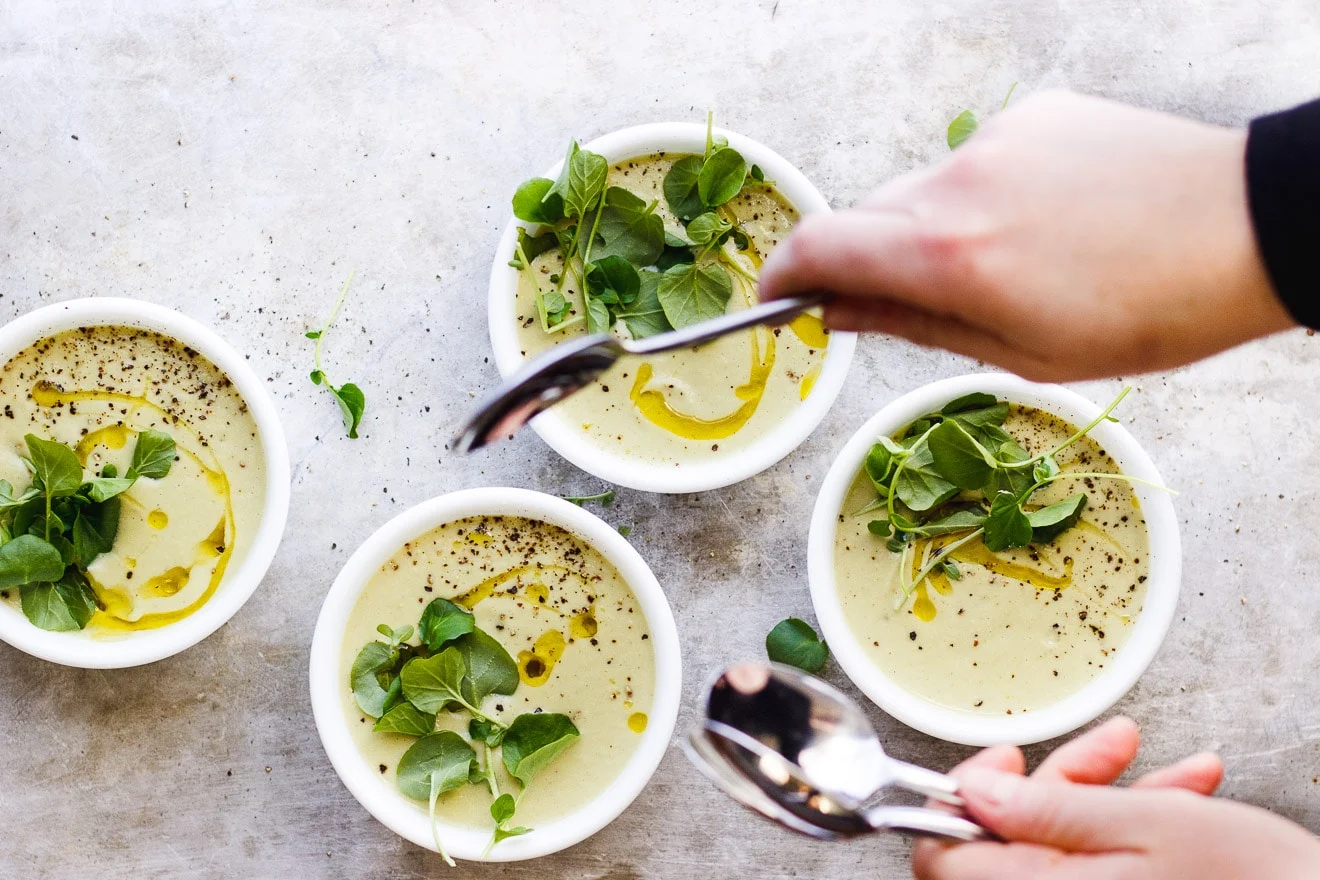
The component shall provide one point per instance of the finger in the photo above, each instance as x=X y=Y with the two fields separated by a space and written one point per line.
x=1017 y=861
x=1005 y=759
x=1200 y=773
x=1075 y=818
x=1097 y=757
x=869 y=254
x=933 y=330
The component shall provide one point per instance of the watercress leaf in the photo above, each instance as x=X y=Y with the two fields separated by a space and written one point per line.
x=794 y=642
x=529 y=203
x=598 y=316
x=1006 y=526
x=630 y=229
x=681 y=188
x=896 y=543
x=316 y=376
x=374 y=660
x=1048 y=523
x=442 y=622
x=153 y=454
x=490 y=669
x=708 y=229
x=94 y=531
x=105 y=488
x=674 y=242
x=9 y=501
x=533 y=741
x=485 y=730
x=757 y=174
x=962 y=127
x=438 y=762
x=555 y=306
x=405 y=718
x=582 y=182
x=313 y=334
x=501 y=833
x=919 y=485
x=64 y=606
x=879 y=527
x=352 y=403
x=721 y=177
x=958 y=521
x=1016 y=481
x=616 y=274
x=957 y=457
x=644 y=317
x=432 y=683
x=532 y=246
x=393 y=694
x=605 y=498
x=1044 y=469
x=54 y=466
x=674 y=256
x=693 y=293
x=879 y=467
x=975 y=400
x=502 y=808
x=28 y=559
x=951 y=570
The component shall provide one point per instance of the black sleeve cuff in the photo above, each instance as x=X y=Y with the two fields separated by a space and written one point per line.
x=1283 y=191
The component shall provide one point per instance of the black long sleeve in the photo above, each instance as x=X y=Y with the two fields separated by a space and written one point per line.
x=1283 y=190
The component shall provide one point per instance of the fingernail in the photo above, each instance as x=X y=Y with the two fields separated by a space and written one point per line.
x=991 y=787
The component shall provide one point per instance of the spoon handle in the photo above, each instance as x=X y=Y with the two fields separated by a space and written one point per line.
x=919 y=780
x=926 y=823
x=774 y=312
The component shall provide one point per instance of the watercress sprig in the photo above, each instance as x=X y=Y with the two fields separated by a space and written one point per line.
x=352 y=402
x=52 y=531
x=965 y=124
x=453 y=667
x=955 y=475
x=627 y=266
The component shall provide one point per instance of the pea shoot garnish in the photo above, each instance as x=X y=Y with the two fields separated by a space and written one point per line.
x=352 y=402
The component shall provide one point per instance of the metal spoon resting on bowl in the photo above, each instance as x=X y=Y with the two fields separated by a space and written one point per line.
x=571 y=366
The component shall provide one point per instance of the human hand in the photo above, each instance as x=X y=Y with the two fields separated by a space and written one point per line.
x=1065 y=823
x=1069 y=238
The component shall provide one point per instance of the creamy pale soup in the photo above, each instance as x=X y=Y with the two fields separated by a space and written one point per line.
x=562 y=612
x=695 y=404
x=95 y=389
x=1022 y=628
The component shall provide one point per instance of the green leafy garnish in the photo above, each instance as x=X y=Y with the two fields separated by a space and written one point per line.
x=965 y=124
x=436 y=763
x=605 y=498
x=442 y=622
x=958 y=476
x=627 y=267
x=55 y=529
x=352 y=402
x=794 y=642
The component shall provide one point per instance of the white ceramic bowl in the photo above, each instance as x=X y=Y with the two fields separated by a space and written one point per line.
x=1101 y=692
x=622 y=470
x=328 y=679
x=147 y=646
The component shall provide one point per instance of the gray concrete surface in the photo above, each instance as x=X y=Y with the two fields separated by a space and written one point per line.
x=234 y=159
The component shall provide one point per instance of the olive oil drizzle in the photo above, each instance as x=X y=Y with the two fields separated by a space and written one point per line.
x=115 y=606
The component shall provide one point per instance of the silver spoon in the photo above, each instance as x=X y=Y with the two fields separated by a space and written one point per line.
x=571 y=366
x=808 y=747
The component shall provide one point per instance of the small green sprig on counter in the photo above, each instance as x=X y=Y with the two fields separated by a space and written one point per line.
x=958 y=475
x=605 y=498
x=52 y=531
x=452 y=669
x=794 y=642
x=965 y=124
x=352 y=402
x=614 y=246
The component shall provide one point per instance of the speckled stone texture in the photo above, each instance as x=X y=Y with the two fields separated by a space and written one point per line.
x=233 y=159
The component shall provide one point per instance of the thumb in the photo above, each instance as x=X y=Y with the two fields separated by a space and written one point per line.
x=1064 y=815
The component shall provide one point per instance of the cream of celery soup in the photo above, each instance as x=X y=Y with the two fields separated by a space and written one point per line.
x=695 y=404
x=1018 y=629
x=564 y=616
x=97 y=390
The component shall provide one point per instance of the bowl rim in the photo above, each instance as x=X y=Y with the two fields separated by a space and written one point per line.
x=1101 y=693
x=386 y=803
x=147 y=646
x=629 y=471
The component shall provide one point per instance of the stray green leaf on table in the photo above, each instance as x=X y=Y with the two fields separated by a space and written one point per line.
x=795 y=643
x=352 y=402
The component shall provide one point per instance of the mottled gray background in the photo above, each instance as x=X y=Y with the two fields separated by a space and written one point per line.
x=234 y=159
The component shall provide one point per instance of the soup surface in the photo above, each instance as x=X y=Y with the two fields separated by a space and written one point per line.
x=95 y=389
x=1022 y=628
x=562 y=611
x=694 y=404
